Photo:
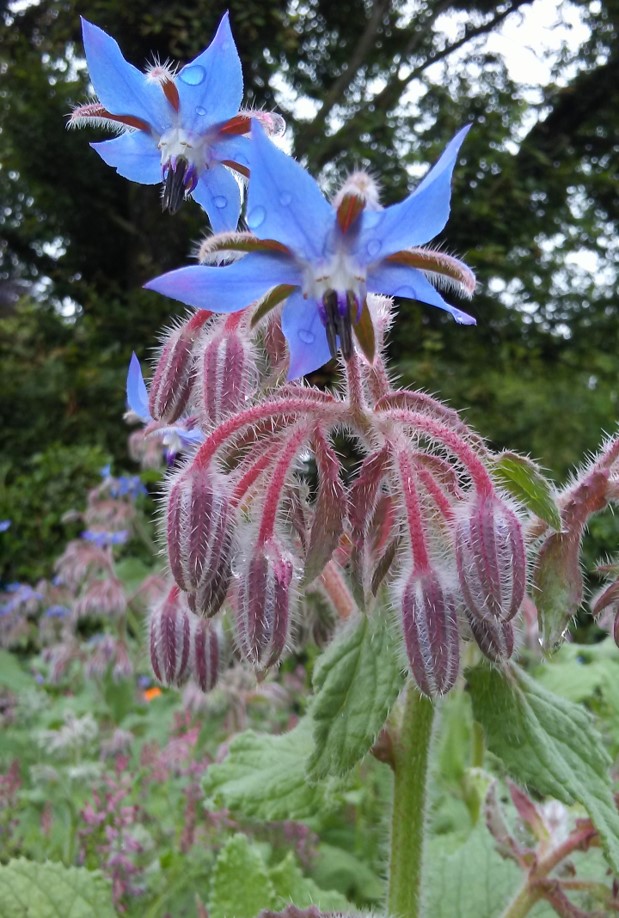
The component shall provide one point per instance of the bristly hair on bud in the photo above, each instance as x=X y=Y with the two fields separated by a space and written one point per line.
x=494 y=638
x=206 y=657
x=430 y=627
x=265 y=603
x=174 y=376
x=491 y=560
x=170 y=639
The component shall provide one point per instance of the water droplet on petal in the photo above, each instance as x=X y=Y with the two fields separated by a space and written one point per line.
x=220 y=202
x=462 y=318
x=193 y=75
x=306 y=336
x=373 y=247
x=200 y=111
x=285 y=199
x=256 y=217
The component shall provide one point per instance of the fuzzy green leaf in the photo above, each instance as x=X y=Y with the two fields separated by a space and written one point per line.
x=548 y=744
x=240 y=884
x=357 y=680
x=291 y=886
x=12 y=676
x=470 y=879
x=522 y=478
x=49 y=890
x=265 y=776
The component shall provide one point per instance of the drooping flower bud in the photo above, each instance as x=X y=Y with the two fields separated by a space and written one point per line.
x=430 y=628
x=173 y=379
x=206 y=653
x=211 y=595
x=199 y=531
x=264 y=604
x=170 y=639
x=228 y=374
x=494 y=638
x=491 y=560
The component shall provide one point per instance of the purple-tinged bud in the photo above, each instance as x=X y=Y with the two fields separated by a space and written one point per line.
x=265 y=600
x=430 y=628
x=491 y=560
x=228 y=374
x=494 y=638
x=199 y=528
x=170 y=639
x=208 y=599
x=206 y=653
x=103 y=597
x=173 y=379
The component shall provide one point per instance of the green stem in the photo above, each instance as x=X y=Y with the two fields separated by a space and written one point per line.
x=410 y=796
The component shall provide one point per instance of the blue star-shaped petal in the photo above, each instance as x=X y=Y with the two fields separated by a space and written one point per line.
x=179 y=128
x=327 y=258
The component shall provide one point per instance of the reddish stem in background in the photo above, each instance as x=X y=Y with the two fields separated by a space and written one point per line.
x=277 y=482
x=406 y=473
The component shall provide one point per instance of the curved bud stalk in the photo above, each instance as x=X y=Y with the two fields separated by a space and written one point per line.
x=199 y=529
x=173 y=378
x=264 y=604
x=228 y=372
x=170 y=639
x=363 y=500
x=430 y=629
x=329 y=510
x=206 y=658
x=491 y=560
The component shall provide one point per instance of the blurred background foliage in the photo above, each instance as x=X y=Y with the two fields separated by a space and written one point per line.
x=382 y=85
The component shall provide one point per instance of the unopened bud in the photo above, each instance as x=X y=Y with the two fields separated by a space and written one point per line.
x=228 y=375
x=494 y=638
x=170 y=639
x=206 y=655
x=104 y=597
x=173 y=379
x=199 y=529
x=211 y=595
x=491 y=560
x=430 y=628
x=264 y=604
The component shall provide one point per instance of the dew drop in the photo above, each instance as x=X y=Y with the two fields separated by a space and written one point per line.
x=285 y=199
x=220 y=202
x=193 y=75
x=256 y=217
x=306 y=336
x=373 y=247
x=200 y=111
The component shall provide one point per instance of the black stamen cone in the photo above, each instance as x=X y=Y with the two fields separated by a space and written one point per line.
x=329 y=301
x=174 y=187
x=339 y=314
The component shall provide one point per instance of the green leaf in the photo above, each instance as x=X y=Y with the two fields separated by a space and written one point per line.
x=337 y=869
x=265 y=776
x=240 y=885
x=50 y=890
x=357 y=680
x=12 y=676
x=548 y=744
x=522 y=478
x=291 y=886
x=470 y=879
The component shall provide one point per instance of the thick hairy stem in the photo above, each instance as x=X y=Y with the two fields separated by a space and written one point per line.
x=410 y=800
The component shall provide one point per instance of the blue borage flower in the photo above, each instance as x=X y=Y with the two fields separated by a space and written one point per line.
x=325 y=258
x=182 y=128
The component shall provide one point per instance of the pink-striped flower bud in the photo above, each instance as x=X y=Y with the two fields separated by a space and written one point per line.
x=206 y=653
x=104 y=597
x=491 y=560
x=173 y=379
x=208 y=599
x=199 y=529
x=265 y=599
x=430 y=628
x=494 y=638
x=228 y=375
x=170 y=639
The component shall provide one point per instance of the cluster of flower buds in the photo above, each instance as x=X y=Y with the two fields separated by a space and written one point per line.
x=263 y=509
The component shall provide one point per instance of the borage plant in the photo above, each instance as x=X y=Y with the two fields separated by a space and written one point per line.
x=414 y=567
